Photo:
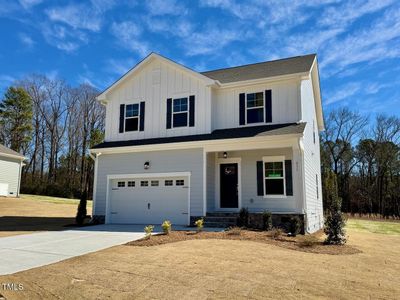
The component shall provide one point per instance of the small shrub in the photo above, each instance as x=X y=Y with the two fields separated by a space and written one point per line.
x=276 y=233
x=166 y=226
x=308 y=241
x=199 y=224
x=234 y=231
x=294 y=226
x=243 y=219
x=267 y=220
x=82 y=212
x=148 y=230
x=335 y=223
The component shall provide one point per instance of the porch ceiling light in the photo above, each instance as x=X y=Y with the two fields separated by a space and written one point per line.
x=146 y=165
x=225 y=155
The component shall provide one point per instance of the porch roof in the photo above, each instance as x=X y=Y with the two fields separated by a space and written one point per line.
x=220 y=134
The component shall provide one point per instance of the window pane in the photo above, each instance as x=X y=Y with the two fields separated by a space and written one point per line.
x=121 y=183
x=132 y=124
x=132 y=110
x=131 y=183
x=274 y=186
x=168 y=182
x=180 y=120
x=180 y=182
x=274 y=169
x=255 y=115
x=154 y=183
x=180 y=105
x=255 y=100
x=144 y=183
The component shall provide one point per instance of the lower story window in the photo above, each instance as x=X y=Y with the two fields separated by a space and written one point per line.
x=180 y=182
x=274 y=178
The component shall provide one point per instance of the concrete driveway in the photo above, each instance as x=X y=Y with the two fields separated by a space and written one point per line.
x=23 y=252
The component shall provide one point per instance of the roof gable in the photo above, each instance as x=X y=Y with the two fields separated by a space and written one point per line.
x=151 y=57
x=7 y=152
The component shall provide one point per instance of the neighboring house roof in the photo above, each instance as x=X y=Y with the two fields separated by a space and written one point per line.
x=4 y=151
x=286 y=66
x=231 y=133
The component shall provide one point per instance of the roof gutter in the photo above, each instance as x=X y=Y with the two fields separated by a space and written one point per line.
x=22 y=158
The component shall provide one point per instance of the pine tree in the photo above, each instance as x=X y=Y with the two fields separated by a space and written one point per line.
x=16 y=118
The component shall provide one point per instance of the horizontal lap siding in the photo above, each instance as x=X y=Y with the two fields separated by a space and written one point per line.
x=9 y=173
x=312 y=163
x=160 y=162
x=250 y=199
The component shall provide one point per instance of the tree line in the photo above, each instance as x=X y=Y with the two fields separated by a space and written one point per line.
x=54 y=125
x=360 y=163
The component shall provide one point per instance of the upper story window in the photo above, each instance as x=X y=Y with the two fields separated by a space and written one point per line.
x=255 y=108
x=132 y=115
x=180 y=112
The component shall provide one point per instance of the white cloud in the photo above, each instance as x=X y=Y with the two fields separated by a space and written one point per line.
x=62 y=38
x=127 y=33
x=76 y=16
x=165 y=7
x=26 y=40
x=343 y=92
x=29 y=3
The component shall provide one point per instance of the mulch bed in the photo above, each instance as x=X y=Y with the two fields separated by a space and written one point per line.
x=294 y=243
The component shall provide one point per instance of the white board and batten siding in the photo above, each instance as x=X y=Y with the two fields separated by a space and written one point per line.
x=312 y=161
x=154 y=84
x=9 y=176
x=285 y=103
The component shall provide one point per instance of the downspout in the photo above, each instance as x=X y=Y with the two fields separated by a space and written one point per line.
x=303 y=173
x=96 y=159
x=19 y=177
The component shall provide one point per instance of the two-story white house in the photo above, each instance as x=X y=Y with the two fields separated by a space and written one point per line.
x=180 y=144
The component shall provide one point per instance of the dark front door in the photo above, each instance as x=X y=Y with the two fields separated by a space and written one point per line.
x=229 y=185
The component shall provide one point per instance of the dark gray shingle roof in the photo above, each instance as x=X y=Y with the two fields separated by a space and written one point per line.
x=286 y=66
x=231 y=133
x=8 y=151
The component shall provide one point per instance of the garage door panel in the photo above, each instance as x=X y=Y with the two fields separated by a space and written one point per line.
x=150 y=204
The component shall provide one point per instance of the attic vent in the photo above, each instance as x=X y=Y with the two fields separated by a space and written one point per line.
x=156 y=76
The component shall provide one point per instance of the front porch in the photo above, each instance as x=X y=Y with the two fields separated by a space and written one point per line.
x=237 y=175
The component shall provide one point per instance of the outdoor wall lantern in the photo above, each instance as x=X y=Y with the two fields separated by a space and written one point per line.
x=146 y=165
x=225 y=155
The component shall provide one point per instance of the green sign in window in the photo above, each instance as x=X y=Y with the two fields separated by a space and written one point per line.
x=274 y=175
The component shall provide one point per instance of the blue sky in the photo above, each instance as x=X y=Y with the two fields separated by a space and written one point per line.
x=357 y=42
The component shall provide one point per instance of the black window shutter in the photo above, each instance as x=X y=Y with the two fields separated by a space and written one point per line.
x=242 y=109
x=288 y=178
x=169 y=113
x=268 y=106
x=121 y=117
x=191 y=111
x=142 y=114
x=260 y=179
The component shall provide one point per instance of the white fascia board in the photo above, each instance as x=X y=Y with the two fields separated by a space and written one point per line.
x=13 y=156
x=314 y=73
x=261 y=142
x=151 y=56
x=149 y=175
x=264 y=80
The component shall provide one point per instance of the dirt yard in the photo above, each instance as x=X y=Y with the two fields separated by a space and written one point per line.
x=220 y=269
x=36 y=213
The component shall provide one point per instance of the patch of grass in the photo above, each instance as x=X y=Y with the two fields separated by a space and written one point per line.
x=56 y=200
x=372 y=226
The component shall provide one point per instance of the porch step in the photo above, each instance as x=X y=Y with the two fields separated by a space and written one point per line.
x=220 y=220
x=222 y=214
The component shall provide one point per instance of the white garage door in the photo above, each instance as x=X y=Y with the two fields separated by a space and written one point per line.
x=3 y=189
x=149 y=200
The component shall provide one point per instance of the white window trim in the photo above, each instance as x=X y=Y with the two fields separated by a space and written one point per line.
x=274 y=159
x=256 y=107
x=135 y=117
x=180 y=112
